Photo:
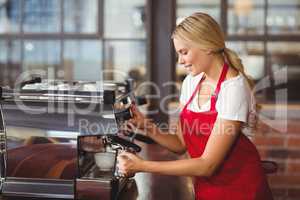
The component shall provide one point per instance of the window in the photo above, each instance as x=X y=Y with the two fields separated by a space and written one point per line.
x=188 y=7
x=82 y=16
x=283 y=17
x=41 y=16
x=246 y=17
x=72 y=39
x=253 y=29
x=125 y=39
x=10 y=59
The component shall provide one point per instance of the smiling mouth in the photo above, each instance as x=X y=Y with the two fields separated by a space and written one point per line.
x=188 y=66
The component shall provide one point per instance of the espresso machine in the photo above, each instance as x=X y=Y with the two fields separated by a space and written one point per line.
x=60 y=140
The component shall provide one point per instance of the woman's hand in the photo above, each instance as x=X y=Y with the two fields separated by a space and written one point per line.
x=138 y=119
x=129 y=164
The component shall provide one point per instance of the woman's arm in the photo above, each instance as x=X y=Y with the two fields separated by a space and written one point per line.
x=220 y=141
x=173 y=141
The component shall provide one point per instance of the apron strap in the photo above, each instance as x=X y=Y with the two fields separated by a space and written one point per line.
x=194 y=93
x=217 y=90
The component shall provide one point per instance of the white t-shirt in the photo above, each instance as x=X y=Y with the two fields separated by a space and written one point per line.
x=235 y=100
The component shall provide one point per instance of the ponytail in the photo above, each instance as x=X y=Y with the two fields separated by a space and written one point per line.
x=235 y=62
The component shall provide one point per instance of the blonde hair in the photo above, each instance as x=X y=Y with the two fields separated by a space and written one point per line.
x=203 y=31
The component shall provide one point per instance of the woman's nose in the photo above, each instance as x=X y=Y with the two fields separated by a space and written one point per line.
x=180 y=60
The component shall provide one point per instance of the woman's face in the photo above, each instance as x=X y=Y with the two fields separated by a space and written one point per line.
x=192 y=58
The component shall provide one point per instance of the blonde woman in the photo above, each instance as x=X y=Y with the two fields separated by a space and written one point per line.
x=216 y=102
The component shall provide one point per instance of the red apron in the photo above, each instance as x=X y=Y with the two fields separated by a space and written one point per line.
x=240 y=176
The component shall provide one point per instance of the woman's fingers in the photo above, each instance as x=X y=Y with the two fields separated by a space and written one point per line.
x=133 y=108
x=130 y=126
x=136 y=112
x=129 y=163
x=127 y=128
x=122 y=158
x=125 y=159
x=123 y=164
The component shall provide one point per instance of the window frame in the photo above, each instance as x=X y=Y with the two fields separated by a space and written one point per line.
x=63 y=36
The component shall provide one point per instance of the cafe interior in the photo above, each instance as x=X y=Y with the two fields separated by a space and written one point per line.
x=121 y=47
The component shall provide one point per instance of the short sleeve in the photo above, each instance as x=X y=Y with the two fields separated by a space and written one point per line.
x=234 y=101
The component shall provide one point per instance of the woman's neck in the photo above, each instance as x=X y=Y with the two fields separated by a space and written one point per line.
x=215 y=69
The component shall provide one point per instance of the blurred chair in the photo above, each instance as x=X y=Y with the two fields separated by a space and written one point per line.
x=269 y=167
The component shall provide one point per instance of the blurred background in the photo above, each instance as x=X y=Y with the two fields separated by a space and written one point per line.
x=95 y=40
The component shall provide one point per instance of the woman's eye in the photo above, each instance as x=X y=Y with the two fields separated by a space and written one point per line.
x=184 y=52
